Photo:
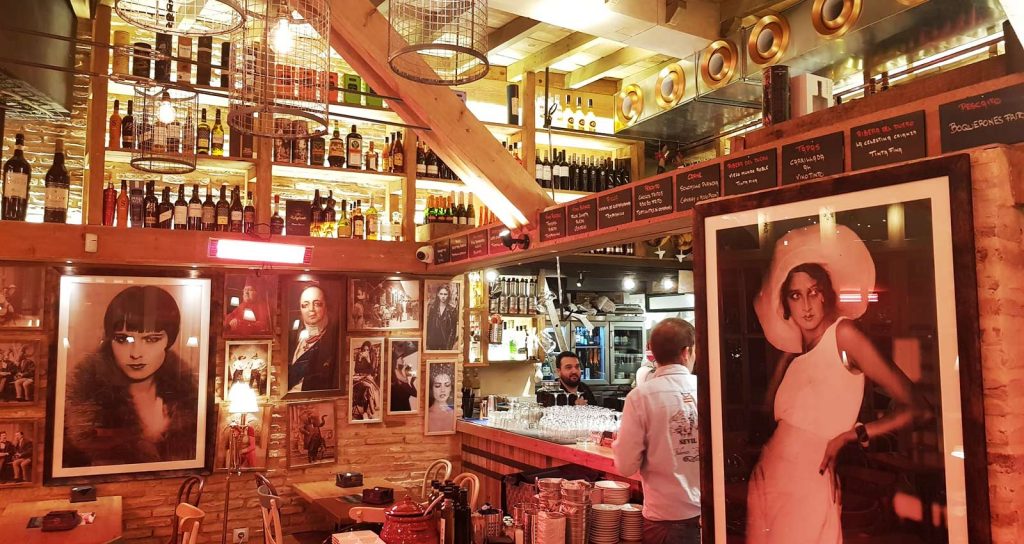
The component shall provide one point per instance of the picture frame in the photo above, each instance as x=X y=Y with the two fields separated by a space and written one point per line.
x=440 y=414
x=366 y=371
x=312 y=433
x=103 y=322
x=22 y=289
x=31 y=448
x=22 y=365
x=247 y=311
x=315 y=364
x=403 y=371
x=249 y=362
x=244 y=437
x=378 y=304
x=442 y=329
x=912 y=227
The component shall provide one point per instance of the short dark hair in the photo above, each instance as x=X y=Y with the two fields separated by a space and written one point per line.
x=563 y=355
x=144 y=308
x=820 y=276
x=670 y=337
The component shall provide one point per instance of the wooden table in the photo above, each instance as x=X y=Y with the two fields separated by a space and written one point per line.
x=336 y=501
x=106 y=528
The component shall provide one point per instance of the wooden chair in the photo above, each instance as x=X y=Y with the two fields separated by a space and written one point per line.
x=439 y=470
x=472 y=485
x=190 y=492
x=262 y=480
x=273 y=533
x=367 y=514
x=189 y=518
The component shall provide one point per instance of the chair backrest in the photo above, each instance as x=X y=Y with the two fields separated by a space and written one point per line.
x=439 y=470
x=366 y=514
x=189 y=518
x=472 y=485
x=270 y=507
x=189 y=492
x=262 y=480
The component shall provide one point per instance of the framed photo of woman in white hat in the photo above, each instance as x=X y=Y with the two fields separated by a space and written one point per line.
x=840 y=363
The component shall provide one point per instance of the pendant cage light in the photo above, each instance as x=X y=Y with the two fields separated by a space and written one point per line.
x=438 y=42
x=279 y=69
x=165 y=130
x=183 y=17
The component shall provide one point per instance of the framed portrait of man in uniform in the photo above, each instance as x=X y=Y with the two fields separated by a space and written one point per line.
x=312 y=314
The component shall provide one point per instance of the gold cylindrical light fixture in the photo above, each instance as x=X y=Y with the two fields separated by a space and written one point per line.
x=768 y=40
x=834 y=18
x=718 y=63
x=670 y=86
x=629 y=104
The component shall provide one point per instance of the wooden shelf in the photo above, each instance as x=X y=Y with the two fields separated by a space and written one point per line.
x=326 y=173
x=204 y=162
x=562 y=137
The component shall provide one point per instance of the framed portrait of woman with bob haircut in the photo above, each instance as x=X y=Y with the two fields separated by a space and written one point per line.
x=130 y=382
x=839 y=361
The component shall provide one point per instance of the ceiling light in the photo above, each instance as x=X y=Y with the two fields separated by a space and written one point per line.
x=510 y=242
x=165 y=113
x=490 y=275
x=628 y=283
x=579 y=280
x=667 y=283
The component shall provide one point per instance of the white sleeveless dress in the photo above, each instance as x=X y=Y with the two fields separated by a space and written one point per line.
x=788 y=501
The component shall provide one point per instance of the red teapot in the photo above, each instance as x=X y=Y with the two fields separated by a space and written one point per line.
x=408 y=523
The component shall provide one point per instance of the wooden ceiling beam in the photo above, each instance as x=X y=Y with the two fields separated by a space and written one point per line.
x=560 y=50
x=599 y=68
x=83 y=8
x=511 y=32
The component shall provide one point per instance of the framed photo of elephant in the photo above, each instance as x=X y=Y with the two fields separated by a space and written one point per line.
x=312 y=433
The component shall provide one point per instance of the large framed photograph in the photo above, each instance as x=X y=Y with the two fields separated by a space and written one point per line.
x=403 y=375
x=21 y=366
x=247 y=305
x=442 y=316
x=312 y=439
x=439 y=417
x=381 y=305
x=20 y=452
x=21 y=297
x=366 y=368
x=129 y=390
x=248 y=362
x=242 y=440
x=841 y=394
x=311 y=310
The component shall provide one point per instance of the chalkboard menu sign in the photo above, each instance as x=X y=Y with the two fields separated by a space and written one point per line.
x=896 y=139
x=582 y=217
x=752 y=172
x=614 y=209
x=494 y=241
x=459 y=249
x=991 y=118
x=478 y=244
x=694 y=186
x=812 y=158
x=442 y=252
x=552 y=224
x=653 y=199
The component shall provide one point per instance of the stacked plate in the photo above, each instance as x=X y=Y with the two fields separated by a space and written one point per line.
x=632 y=522
x=604 y=523
x=613 y=492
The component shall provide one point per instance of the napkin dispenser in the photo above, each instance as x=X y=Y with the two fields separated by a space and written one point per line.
x=348 y=479
x=379 y=495
x=85 y=493
x=60 y=520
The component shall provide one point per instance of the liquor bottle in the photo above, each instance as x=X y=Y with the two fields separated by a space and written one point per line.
x=58 y=185
x=570 y=114
x=158 y=137
x=204 y=60
x=276 y=221
x=188 y=135
x=225 y=63
x=180 y=209
x=329 y=216
x=358 y=222
x=150 y=206
x=591 y=117
x=203 y=135
x=194 y=213
x=581 y=116
x=122 y=206
x=217 y=139
x=128 y=129
x=371 y=219
x=109 y=204
x=184 y=60
x=539 y=170
x=209 y=217
x=372 y=159
x=165 y=210
x=512 y=103
x=317 y=150
x=248 y=214
x=174 y=137
x=316 y=214
x=432 y=166
x=223 y=210
x=397 y=154
x=163 y=57
x=136 y=203
x=115 y=125
x=236 y=212
x=344 y=226
x=336 y=150
x=385 y=155
x=354 y=144
x=421 y=160
x=17 y=176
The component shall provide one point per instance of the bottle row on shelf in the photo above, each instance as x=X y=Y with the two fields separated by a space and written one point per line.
x=17 y=183
x=585 y=174
x=515 y=343
x=137 y=206
x=325 y=221
x=512 y=296
x=620 y=249
x=456 y=209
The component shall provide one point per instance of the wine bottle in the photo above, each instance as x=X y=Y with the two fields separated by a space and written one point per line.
x=276 y=221
x=372 y=225
x=174 y=137
x=470 y=213
x=202 y=135
x=344 y=225
x=248 y=214
x=397 y=154
x=194 y=214
x=591 y=117
x=225 y=64
x=17 y=176
x=115 y=125
x=223 y=210
x=184 y=60
x=149 y=206
x=358 y=222
x=336 y=150
x=58 y=185
x=421 y=160
x=165 y=210
x=180 y=209
x=385 y=155
x=236 y=212
x=512 y=103
x=432 y=166
x=209 y=217
x=329 y=216
x=204 y=60
x=581 y=121
x=163 y=57
x=316 y=214
x=109 y=204
x=217 y=139
x=128 y=129
x=354 y=144
x=570 y=113
x=122 y=206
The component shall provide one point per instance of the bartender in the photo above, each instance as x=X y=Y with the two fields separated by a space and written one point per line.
x=567 y=364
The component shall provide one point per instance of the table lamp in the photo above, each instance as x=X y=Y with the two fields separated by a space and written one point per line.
x=241 y=400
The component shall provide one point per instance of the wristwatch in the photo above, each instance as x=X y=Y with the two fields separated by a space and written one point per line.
x=862 y=434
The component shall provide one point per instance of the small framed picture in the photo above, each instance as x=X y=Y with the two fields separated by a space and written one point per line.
x=248 y=362
x=21 y=365
x=312 y=437
x=21 y=297
x=20 y=452
x=440 y=415
x=242 y=440
x=247 y=306
x=366 y=371
x=312 y=314
x=442 y=316
x=403 y=376
x=379 y=305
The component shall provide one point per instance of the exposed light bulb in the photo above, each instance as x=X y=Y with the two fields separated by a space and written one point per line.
x=165 y=113
x=667 y=283
x=491 y=275
x=628 y=283
x=281 y=38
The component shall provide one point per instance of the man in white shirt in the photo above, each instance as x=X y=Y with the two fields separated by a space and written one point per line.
x=658 y=437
